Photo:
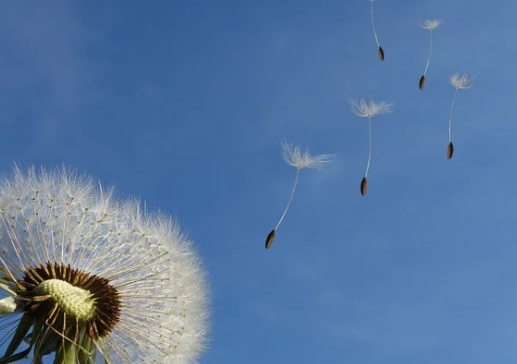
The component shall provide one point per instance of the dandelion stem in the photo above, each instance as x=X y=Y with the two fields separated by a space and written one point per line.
x=373 y=26
x=370 y=146
x=450 y=115
x=66 y=354
x=430 y=52
x=290 y=199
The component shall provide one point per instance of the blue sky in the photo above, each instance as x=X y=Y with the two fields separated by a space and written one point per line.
x=185 y=103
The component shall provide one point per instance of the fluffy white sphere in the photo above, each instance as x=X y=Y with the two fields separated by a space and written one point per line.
x=62 y=219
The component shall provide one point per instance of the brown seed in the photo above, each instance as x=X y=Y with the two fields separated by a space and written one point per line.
x=270 y=238
x=364 y=186
x=422 y=82
x=450 y=150
x=381 y=53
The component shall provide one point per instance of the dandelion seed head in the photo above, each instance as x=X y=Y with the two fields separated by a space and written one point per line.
x=102 y=259
x=430 y=24
x=295 y=157
x=368 y=109
x=462 y=81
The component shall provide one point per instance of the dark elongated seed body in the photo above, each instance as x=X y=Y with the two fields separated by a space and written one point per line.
x=364 y=186
x=381 y=53
x=450 y=150
x=422 y=82
x=270 y=238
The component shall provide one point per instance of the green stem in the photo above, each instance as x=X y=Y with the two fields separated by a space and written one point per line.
x=87 y=354
x=66 y=354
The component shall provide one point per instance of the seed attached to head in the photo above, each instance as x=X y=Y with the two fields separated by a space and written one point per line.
x=422 y=82
x=364 y=186
x=450 y=150
x=270 y=238
x=381 y=53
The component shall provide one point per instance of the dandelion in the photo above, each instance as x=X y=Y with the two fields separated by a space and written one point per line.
x=380 y=51
x=459 y=82
x=430 y=25
x=89 y=279
x=365 y=109
x=300 y=160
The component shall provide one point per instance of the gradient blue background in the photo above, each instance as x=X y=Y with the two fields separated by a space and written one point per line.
x=185 y=103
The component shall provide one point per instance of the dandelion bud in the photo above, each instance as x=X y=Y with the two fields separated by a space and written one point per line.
x=381 y=53
x=422 y=82
x=364 y=186
x=450 y=150
x=270 y=238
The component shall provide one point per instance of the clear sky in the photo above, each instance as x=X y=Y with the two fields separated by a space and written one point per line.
x=185 y=103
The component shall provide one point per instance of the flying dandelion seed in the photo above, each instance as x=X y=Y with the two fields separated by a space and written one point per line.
x=89 y=278
x=300 y=160
x=459 y=82
x=430 y=25
x=365 y=109
x=380 y=51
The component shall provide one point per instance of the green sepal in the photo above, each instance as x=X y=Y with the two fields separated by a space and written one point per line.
x=44 y=343
x=35 y=332
x=15 y=357
x=37 y=335
x=21 y=331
